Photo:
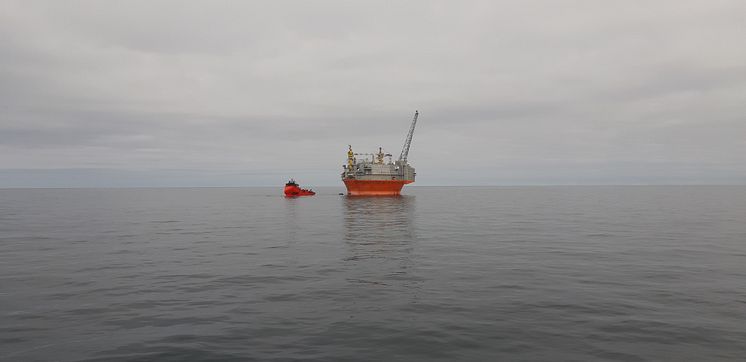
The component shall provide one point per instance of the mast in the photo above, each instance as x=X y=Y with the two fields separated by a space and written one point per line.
x=408 y=141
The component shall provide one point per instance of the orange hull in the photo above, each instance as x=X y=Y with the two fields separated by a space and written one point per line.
x=374 y=188
x=292 y=191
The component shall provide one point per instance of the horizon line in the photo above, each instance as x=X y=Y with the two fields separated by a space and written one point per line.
x=341 y=186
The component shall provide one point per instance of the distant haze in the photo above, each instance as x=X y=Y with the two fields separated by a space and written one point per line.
x=238 y=93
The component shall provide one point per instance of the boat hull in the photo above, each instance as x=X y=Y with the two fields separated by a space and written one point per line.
x=374 y=187
x=293 y=191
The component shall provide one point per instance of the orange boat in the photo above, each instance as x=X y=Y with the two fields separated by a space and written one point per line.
x=377 y=176
x=292 y=189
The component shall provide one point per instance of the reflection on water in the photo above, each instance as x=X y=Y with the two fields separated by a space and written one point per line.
x=292 y=218
x=380 y=237
x=379 y=220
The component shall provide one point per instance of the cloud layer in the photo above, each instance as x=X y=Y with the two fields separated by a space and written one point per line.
x=511 y=92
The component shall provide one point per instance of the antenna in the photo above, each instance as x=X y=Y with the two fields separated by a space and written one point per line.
x=408 y=141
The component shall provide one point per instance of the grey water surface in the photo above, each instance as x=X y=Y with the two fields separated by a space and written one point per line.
x=439 y=274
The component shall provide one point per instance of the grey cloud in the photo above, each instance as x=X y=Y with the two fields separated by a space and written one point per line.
x=514 y=92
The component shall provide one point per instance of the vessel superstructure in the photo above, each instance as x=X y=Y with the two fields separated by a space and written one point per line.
x=292 y=189
x=376 y=174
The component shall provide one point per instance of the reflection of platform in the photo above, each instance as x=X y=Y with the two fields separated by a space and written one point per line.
x=379 y=258
x=379 y=219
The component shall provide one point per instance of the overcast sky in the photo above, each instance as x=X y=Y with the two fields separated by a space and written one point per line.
x=217 y=93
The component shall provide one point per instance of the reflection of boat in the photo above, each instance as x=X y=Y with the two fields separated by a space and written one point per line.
x=374 y=176
x=293 y=189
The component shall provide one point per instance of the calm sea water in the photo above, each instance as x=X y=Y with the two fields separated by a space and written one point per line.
x=477 y=274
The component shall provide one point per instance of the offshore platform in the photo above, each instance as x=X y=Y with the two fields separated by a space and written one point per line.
x=379 y=175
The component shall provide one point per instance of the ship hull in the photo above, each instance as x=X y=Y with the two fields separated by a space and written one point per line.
x=293 y=191
x=374 y=187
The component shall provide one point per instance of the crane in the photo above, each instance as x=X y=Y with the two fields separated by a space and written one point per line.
x=408 y=141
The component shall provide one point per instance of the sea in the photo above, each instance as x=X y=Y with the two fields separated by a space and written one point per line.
x=535 y=273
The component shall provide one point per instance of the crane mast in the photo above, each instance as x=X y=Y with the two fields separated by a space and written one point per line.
x=408 y=141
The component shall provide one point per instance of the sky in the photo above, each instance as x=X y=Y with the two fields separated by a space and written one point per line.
x=250 y=93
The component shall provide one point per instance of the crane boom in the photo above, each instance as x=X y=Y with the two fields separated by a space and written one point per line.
x=408 y=141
